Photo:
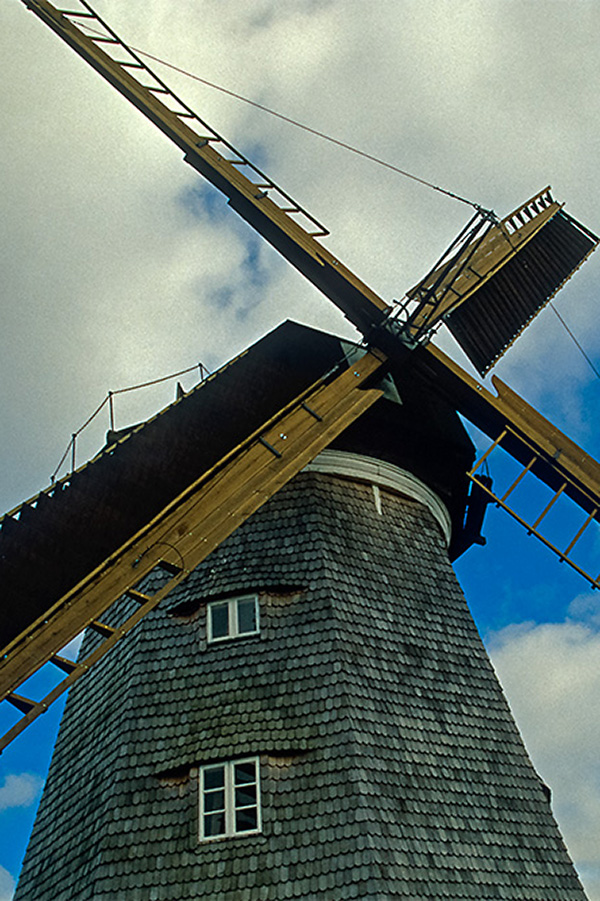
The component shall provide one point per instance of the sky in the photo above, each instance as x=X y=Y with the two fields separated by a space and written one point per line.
x=119 y=265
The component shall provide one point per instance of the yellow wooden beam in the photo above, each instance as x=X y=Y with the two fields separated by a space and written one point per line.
x=492 y=412
x=250 y=199
x=196 y=522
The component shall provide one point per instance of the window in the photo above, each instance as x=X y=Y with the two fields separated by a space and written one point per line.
x=229 y=799
x=233 y=618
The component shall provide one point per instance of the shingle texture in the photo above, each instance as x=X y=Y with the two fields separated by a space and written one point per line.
x=390 y=764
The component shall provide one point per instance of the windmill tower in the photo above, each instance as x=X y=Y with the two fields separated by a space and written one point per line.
x=273 y=768
x=311 y=713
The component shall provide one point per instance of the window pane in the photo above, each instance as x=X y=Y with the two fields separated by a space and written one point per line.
x=214 y=777
x=229 y=799
x=214 y=824
x=246 y=611
x=219 y=620
x=215 y=800
x=246 y=819
x=245 y=796
x=245 y=772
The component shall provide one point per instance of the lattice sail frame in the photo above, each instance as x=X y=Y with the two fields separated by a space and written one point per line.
x=570 y=534
x=500 y=278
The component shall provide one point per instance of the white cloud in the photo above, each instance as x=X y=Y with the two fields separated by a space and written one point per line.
x=19 y=790
x=107 y=273
x=7 y=885
x=551 y=676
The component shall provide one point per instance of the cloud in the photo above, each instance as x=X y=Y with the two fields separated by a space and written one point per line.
x=19 y=790
x=113 y=274
x=551 y=677
x=7 y=885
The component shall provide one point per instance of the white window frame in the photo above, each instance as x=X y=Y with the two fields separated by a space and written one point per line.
x=229 y=792
x=233 y=618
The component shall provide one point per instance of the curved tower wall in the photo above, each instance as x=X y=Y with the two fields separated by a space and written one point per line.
x=390 y=766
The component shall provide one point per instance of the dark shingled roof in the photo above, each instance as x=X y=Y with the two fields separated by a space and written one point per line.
x=61 y=536
x=391 y=766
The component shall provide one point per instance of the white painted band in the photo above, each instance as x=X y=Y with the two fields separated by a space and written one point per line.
x=376 y=472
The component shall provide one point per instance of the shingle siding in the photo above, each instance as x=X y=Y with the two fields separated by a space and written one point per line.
x=390 y=764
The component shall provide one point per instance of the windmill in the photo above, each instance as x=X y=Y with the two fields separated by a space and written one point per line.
x=509 y=268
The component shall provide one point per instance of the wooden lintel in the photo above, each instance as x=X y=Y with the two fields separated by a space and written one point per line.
x=101 y=628
x=24 y=705
x=63 y=663
x=138 y=596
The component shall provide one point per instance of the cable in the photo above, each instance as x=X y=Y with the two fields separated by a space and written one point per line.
x=204 y=372
x=163 y=378
x=576 y=342
x=307 y=128
x=313 y=131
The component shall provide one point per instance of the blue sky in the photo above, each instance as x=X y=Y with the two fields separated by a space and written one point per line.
x=118 y=267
